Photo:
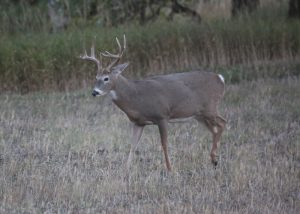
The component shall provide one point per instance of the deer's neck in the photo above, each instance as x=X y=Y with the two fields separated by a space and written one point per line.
x=123 y=93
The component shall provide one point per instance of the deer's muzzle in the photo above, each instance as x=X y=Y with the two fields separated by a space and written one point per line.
x=95 y=93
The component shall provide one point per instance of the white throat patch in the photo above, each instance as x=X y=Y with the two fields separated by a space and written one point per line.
x=113 y=94
x=221 y=78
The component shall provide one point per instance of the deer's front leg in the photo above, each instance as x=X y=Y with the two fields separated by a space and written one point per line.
x=162 y=126
x=136 y=136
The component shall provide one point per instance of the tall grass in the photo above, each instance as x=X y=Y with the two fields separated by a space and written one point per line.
x=20 y=18
x=247 y=46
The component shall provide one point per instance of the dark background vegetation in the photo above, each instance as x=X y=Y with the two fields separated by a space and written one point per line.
x=40 y=41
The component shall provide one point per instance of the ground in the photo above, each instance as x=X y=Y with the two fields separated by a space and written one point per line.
x=66 y=153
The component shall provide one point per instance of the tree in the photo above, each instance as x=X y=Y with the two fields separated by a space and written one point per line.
x=144 y=11
x=294 y=9
x=239 y=6
x=57 y=14
x=180 y=8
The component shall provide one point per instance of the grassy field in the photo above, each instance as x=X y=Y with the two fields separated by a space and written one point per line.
x=65 y=153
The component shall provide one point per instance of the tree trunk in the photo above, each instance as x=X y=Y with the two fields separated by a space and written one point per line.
x=179 y=8
x=239 y=6
x=57 y=14
x=294 y=8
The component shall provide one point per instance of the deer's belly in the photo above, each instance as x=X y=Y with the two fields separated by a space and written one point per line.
x=181 y=120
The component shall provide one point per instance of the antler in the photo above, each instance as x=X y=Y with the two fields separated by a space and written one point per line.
x=92 y=57
x=118 y=56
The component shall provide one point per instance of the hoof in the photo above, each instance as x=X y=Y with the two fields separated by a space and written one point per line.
x=215 y=163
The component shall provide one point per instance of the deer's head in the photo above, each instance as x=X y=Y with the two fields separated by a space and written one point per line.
x=107 y=75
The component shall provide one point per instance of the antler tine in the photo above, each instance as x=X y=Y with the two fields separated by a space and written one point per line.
x=119 y=45
x=107 y=54
x=93 y=51
x=117 y=56
x=124 y=41
x=92 y=57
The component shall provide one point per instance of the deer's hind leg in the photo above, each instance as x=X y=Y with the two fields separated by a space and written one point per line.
x=216 y=125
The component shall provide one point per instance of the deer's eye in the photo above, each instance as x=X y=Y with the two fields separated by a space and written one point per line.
x=105 y=79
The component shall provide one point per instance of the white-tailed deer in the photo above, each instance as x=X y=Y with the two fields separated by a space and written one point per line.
x=161 y=99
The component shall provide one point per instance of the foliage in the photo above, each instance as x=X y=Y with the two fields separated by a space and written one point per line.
x=294 y=8
x=103 y=12
x=249 y=46
x=239 y=6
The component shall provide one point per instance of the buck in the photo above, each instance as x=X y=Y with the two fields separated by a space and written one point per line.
x=161 y=99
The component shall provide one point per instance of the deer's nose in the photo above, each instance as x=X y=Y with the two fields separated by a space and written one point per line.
x=95 y=93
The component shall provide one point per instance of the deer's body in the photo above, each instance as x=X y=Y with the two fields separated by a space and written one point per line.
x=167 y=97
x=161 y=99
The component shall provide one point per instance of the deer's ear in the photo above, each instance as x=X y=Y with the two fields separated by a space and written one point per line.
x=119 y=68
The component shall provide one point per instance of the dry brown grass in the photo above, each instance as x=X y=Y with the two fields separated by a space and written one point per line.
x=65 y=153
